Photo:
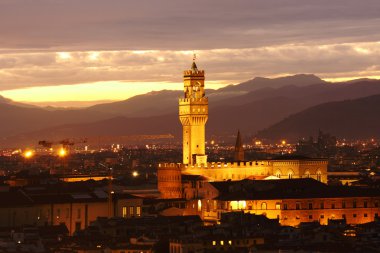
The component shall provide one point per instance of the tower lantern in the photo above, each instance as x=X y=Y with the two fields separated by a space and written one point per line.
x=193 y=114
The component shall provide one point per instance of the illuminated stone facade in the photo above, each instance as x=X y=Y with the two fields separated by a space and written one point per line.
x=170 y=184
x=193 y=114
x=169 y=180
x=290 y=201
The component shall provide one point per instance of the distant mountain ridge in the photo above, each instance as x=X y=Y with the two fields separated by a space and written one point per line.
x=358 y=118
x=4 y=100
x=263 y=82
x=249 y=109
x=166 y=101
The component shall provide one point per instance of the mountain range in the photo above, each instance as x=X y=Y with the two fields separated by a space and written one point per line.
x=261 y=105
x=357 y=118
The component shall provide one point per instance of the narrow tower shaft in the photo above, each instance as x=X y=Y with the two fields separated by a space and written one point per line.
x=239 y=150
x=193 y=114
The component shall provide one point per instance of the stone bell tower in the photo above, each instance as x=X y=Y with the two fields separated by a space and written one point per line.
x=193 y=114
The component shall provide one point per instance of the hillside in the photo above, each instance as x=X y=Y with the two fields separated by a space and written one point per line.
x=357 y=118
x=17 y=119
x=251 y=111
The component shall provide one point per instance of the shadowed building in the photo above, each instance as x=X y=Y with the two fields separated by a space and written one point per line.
x=57 y=204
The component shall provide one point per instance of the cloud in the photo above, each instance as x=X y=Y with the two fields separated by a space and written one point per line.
x=20 y=70
x=183 y=25
x=70 y=42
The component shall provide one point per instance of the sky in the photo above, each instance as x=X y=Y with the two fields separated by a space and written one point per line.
x=73 y=53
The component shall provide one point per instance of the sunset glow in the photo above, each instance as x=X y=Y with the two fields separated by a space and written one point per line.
x=98 y=55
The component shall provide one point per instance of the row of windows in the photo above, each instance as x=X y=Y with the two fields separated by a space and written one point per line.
x=243 y=204
x=307 y=175
x=322 y=216
x=332 y=206
x=365 y=215
x=131 y=211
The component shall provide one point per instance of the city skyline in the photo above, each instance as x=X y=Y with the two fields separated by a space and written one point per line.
x=95 y=51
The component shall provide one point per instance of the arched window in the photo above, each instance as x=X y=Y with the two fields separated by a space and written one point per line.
x=290 y=174
x=319 y=175
x=278 y=174
x=307 y=174
x=199 y=205
x=264 y=206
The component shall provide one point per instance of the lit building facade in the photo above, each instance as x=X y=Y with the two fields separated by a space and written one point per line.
x=193 y=115
x=290 y=201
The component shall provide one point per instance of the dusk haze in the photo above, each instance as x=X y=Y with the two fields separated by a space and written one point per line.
x=174 y=126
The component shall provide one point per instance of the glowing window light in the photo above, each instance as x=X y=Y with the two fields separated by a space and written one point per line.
x=238 y=205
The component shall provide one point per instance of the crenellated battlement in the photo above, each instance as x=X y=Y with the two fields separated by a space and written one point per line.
x=190 y=72
x=215 y=165
x=247 y=164
x=188 y=100
x=308 y=162
x=170 y=165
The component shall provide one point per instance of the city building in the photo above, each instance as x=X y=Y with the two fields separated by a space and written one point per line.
x=193 y=115
x=292 y=202
x=73 y=206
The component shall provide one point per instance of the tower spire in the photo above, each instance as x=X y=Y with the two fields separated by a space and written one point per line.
x=194 y=65
x=239 y=151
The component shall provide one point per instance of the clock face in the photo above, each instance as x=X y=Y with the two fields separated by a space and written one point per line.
x=196 y=86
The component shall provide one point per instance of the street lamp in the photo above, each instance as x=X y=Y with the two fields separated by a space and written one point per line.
x=62 y=152
x=28 y=154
